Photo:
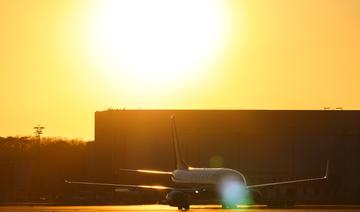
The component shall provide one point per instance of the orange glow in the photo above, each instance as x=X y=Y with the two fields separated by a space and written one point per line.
x=153 y=172
x=62 y=60
x=155 y=187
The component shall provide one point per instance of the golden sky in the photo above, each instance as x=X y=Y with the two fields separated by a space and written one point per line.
x=62 y=60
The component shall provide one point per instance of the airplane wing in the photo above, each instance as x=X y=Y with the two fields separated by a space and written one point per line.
x=155 y=187
x=131 y=187
x=147 y=171
x=292 y=181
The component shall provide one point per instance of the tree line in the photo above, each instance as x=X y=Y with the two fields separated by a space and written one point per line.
x=34 y=170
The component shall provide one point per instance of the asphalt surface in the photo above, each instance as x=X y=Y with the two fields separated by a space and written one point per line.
x=162 y=208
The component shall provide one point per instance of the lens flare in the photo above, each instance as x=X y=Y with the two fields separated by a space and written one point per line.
x=233 y=192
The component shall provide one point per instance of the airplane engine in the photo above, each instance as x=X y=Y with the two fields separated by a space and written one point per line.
x=178 y=199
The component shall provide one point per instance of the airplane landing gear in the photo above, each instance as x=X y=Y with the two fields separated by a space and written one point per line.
x=184 y=207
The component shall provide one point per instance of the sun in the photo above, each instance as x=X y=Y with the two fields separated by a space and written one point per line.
x=155 y=46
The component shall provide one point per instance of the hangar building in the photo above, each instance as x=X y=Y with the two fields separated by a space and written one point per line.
x=265 y=145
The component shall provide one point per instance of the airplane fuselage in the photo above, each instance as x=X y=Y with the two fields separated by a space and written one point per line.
x=207 y=176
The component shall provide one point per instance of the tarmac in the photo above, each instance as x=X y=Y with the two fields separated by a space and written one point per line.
x=163 y=208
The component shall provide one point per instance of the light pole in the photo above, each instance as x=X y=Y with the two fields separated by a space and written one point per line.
x=38 y=131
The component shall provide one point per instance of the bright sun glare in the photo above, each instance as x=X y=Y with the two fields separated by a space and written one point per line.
x=151 y=45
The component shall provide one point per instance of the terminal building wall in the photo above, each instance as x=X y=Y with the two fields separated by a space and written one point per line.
x=264 y=145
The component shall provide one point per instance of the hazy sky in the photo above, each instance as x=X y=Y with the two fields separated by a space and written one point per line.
x=60 y=61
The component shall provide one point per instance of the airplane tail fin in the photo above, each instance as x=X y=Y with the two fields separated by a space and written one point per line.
x=179 y=160
x=327 y=169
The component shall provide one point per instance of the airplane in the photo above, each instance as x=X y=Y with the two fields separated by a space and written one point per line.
x=230 y=185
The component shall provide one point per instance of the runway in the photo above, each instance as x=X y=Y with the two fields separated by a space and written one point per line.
x=163 y=208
